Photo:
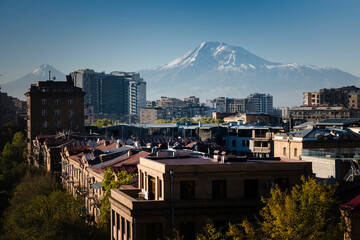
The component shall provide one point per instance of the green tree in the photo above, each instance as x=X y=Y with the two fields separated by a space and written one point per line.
x=162 y=121
x=13 y=166
x=109 y=182
x=308 y=211
x=103 y=123
x=41 y=210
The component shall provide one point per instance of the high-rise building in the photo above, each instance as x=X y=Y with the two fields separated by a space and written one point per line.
x=259 y=102
x=135 y=92
x=118 y=93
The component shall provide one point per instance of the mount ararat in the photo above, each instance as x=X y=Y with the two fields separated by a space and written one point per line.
x=215 y=69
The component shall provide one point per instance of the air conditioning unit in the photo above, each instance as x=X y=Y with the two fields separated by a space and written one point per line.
x=270 y=184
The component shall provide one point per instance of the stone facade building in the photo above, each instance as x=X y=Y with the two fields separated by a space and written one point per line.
x=54 y=106
x=178 y=191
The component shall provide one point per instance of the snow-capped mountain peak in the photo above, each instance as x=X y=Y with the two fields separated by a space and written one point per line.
x=218 y=55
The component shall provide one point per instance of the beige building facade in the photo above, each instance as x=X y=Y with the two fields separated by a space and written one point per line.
x=181 y=192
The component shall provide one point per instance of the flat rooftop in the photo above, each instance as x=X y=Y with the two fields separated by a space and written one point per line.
x=209 y=161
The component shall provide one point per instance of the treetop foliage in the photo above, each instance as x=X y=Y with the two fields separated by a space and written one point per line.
x=103 y=123
x=307 y=211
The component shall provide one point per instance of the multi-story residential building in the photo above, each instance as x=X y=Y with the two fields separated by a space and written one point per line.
x=150 y=115
x=180 y=191
x=259 y=102
x=238 y=105
x=117 y=93
x=53 y=107
x=328 y=136
x=256 y=102
x=135 y=96
x=310 y=113
x=333 y=97
x=233 y=105
x=328 y=97
x=252 y=139
x=170 y=102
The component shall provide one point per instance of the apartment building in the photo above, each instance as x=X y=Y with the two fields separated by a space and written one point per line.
x=178 y=191
x=310 y=113
x=328 y=136
x=252 y=139
x=259 y=102
x=256 y=102
x=328 y=97
x=150 y=115
x=117 y=93
x=53 y=107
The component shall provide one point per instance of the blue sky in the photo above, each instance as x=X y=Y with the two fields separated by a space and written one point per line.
x=131 y=35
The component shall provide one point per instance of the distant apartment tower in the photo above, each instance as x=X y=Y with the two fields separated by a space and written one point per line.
x=53 y=107
x=259 y=102
x=116 y=93
x=135 y=87
x=329 y=97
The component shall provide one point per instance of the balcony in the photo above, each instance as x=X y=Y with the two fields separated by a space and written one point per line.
x=262 y=149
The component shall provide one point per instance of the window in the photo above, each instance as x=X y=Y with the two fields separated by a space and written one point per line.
x=160 y=188
x=57 y=112
x=44 y=112
x=234 y=143
x=44 y=101
x=122 y=226
x=70 y=113
x=128 y=230
x=295 y=152
x=142 y=180
x=44 y=125
x=187 y=190
x=57 y=102
x=245 y=143
x=71 y=124
x=284 y=151
x=219 y=189
x=251 y=188
x=58 y=124
x=70 y=101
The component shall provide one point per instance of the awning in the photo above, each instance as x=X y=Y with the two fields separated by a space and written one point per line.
x=96 y=185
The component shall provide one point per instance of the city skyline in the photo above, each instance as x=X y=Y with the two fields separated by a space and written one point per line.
x=131 y=36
